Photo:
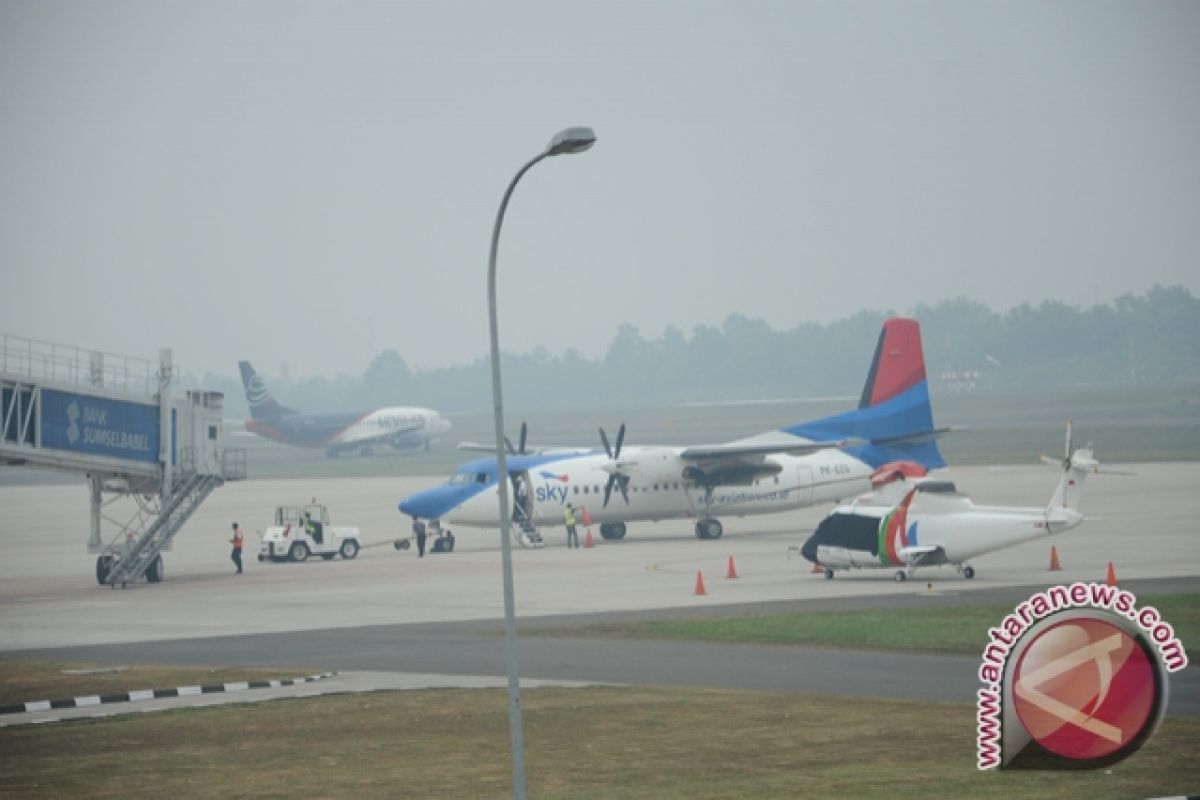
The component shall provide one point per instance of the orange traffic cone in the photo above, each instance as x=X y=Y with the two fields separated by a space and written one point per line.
x=700 y=583
x=732 y=571
x=587 y=542
x=1054 y=565
x=1111 y=580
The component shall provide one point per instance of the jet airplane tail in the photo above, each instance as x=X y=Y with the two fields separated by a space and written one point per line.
x=263 y=405
x=894 y=417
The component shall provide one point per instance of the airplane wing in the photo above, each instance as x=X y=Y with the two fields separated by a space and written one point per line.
x=722 y=452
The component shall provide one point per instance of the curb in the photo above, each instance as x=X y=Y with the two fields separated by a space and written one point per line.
x=154 y=694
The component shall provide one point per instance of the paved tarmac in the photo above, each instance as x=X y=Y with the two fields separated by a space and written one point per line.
x=389 y=612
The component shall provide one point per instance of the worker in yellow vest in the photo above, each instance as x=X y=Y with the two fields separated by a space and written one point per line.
x=569 y=521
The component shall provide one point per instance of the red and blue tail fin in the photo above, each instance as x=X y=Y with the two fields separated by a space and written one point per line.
x=894 y=416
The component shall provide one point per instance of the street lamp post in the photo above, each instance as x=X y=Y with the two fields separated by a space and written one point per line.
x=571 y=140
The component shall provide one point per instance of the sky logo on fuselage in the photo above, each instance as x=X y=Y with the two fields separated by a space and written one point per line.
x=549 y=493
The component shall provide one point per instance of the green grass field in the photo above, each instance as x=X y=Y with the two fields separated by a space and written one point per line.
x=961 y=629
x=634 y=742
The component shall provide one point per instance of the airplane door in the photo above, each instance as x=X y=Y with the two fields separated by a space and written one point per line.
x=522 y=498
x=804 y=485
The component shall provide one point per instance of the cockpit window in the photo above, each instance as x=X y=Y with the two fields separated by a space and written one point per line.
x=461 y=478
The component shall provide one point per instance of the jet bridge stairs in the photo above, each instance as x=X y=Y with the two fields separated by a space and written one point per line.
x=152 y=529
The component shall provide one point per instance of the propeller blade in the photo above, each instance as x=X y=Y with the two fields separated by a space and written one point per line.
x=621 y=482
x=620 y=439
x=608 y=489
x=521 y=440
x=508 y=444
x=604 y=438
x=1067 y=455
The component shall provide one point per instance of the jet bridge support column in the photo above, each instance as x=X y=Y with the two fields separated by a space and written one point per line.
x=95 y=539
x=165 y=444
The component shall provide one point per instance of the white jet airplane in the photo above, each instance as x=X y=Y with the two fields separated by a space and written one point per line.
x=918 y=523
x=815 y=462
x=402 y=427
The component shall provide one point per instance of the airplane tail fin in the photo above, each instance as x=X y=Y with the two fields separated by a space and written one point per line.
x=894 y=416
x=262 y=404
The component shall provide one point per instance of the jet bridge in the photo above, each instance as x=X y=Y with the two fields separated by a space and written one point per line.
x=150 y=459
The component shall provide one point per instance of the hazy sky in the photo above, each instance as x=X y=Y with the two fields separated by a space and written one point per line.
x=311 y=183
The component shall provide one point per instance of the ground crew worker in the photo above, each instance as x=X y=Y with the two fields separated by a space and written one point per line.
x=237 y=541
x=313 y=529
x=419 y=532
x=569 y=520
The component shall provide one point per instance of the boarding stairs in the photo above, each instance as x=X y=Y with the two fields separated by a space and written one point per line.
x=131 y=559
x=527 y=534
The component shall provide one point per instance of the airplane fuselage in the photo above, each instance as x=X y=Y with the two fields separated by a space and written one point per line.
x=656 y=488
x=400 y=426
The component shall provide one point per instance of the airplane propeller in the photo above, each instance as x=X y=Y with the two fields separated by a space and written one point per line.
x=520 y=449
x=615 y=478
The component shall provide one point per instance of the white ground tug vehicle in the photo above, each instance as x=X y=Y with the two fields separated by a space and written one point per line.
x=288 y=539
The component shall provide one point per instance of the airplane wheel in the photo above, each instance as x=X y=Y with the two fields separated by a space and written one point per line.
x=901 y=577
x=103 y=567
x=154 y=572
x=299 y=552
x=968 y=572
x=828 y=574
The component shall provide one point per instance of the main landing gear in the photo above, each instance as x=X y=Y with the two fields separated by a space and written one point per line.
x=709 y=528
x=966 y=570
x=706 y=526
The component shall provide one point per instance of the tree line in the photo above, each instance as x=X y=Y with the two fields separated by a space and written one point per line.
x=1135 y=340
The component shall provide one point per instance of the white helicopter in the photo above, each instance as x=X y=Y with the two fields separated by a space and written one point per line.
x=910 y=521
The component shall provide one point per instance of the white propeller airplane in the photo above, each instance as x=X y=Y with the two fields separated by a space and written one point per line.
x=918 y=523
x=815 y=462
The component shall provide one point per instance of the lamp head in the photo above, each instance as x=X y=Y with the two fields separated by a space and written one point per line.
x=572 y=140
